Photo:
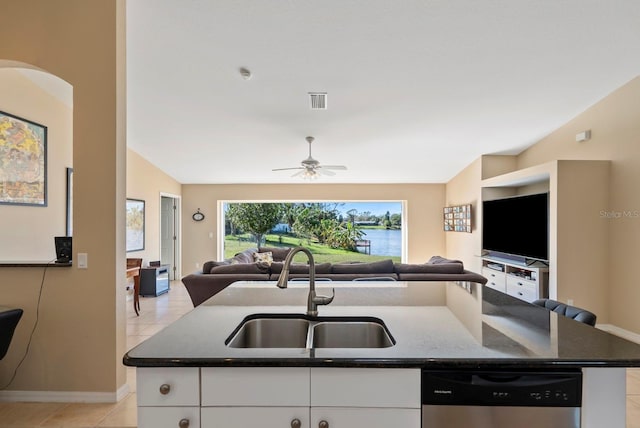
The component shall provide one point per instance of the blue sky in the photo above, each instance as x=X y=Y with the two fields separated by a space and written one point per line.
x=377 y=208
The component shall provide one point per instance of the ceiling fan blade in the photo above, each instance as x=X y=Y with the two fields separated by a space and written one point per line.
x=325 y=172
x=287 y=169
x=299 y=173
x=334 y=167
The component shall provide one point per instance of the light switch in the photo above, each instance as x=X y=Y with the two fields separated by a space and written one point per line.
x=83 y=261
x=210 y=235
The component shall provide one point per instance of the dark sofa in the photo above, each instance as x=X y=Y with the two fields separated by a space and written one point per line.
x=215 y=276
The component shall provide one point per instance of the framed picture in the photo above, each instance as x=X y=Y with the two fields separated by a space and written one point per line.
x=23 y=161
x=69 y=201
x=135 y=225
x=457 y=218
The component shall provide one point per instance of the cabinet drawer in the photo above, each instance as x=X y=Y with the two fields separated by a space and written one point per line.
x=255 y=386
x=245 y=417
x=182 y=386
x=493 y=275
x=167 y=417
x=523 y=293
x=495 y=279
x=516 y=282
x=360 y=387
x=341 y=417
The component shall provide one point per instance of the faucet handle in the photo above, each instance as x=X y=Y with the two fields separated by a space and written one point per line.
x=324 y=300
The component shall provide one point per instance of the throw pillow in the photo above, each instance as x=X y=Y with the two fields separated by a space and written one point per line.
x=279 y=254
x=263 y=258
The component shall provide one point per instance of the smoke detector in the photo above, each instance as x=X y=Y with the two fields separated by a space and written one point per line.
x=245 y=73
x=318 y=100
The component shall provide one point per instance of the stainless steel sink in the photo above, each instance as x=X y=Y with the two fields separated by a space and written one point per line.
x=270 y=333
x=351 y=334
x=303 y=331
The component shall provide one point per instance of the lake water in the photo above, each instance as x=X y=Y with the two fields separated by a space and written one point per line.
x=384 y=242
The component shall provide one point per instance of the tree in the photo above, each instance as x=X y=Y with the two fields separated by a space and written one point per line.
x=396 y=220
x=256 y=219
x=387 y=220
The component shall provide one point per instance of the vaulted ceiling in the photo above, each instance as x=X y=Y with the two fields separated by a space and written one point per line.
x=417 y=89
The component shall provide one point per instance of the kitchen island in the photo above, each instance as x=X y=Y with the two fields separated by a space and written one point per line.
x=187 y=374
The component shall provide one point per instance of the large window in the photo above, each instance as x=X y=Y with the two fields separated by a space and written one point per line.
x=333 y=231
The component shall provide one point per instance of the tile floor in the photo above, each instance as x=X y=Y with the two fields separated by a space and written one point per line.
x=156 y=313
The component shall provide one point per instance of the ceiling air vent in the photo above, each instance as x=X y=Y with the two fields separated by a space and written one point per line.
x=318 y=100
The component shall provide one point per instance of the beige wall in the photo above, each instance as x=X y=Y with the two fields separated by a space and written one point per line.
x=145 y=181
x=26 y=232
x=423 y=216
x=463 y=189
x=594 y=200
x=615 y=135
x=80 y=339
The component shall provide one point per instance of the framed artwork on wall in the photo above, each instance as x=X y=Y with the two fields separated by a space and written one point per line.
x=135 y=225
x=23 y=161
x=457 y=218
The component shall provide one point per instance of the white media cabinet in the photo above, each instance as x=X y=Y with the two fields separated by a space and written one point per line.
x=526 y=282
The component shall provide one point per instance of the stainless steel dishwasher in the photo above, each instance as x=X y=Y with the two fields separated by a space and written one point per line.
x=501 y=399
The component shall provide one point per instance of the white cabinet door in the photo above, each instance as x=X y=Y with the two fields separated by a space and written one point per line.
x=168 y=417
x=343 y=417
x=248 y=417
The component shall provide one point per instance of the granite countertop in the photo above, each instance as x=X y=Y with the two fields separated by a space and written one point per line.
x=434 y=324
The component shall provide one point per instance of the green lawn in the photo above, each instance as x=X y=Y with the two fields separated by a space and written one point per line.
x=321 y=253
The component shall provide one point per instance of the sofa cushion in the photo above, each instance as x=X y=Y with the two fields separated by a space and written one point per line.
x=449 y=268
x=241 y=268
x=382 y=266
x=440 y=260
x=321 y=268
x=279 y=254
x=245 y=256
x=207 y=266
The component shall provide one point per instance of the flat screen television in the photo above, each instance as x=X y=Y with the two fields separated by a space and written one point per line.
x=517 y=226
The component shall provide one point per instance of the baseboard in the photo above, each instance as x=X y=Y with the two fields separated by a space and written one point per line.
x=621 y=332
x=64 y=396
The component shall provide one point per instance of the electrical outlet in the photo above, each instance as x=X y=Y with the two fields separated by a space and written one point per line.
x=570 y=302
x=83 y=261
x=197 y=265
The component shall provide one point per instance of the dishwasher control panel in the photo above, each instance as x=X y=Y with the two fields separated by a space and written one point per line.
x=502 y=388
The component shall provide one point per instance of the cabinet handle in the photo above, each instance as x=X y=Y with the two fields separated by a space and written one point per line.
x=296 y=423
x=519 y=283
x=184 y=423
x=323 y=424
x=165 y=388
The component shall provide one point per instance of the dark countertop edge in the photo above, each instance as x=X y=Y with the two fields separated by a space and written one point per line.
x=34 y=264
x=376 y=363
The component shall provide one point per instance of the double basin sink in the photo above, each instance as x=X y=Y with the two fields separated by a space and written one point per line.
x=302 y=331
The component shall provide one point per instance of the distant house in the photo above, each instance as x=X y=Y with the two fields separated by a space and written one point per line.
x=281 y=228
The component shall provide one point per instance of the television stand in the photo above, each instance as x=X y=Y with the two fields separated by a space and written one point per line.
x=521 y=280
x=154 y=280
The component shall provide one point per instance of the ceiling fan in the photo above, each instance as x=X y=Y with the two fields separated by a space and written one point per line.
x=310 y=168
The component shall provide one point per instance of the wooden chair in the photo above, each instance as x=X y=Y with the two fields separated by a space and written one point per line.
x=133 y=270
x=8 y=321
